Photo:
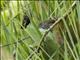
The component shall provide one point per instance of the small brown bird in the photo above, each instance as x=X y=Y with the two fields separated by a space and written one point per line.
x=53 y=39
x=25 y=21
x=46 y=24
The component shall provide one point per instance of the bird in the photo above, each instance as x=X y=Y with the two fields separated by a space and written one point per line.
x=53 y=39
x=25 y=21
x=46 y=25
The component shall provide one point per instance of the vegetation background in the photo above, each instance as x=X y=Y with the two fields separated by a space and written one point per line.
x=32 y=44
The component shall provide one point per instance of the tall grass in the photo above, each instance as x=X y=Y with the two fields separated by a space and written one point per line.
x=32 y=44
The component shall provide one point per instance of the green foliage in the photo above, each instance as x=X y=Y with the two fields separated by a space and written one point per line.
x=62 y=43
